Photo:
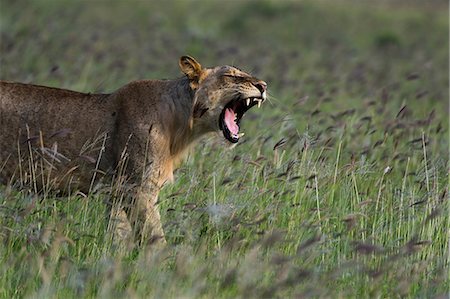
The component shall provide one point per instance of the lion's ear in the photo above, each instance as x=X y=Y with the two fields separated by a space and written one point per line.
x=190 y=67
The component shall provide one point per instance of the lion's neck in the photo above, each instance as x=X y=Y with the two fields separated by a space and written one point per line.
x=182 y=131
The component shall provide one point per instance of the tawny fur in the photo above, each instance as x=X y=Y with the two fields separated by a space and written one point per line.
x=150 y=124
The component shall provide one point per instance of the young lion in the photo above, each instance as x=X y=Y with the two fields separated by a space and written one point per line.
x=66 y=140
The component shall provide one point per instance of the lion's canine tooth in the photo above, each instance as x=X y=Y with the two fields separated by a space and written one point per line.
x=248 y=101
x=241 y=134
x=259 y=103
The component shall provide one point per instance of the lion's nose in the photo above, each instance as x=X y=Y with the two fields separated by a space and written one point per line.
x=261 y=85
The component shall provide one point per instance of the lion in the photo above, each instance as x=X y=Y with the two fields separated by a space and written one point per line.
x=64 y=140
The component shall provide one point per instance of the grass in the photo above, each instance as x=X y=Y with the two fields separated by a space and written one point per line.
x=339 y=188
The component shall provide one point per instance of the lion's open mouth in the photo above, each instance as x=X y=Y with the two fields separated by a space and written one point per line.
x=231 y=116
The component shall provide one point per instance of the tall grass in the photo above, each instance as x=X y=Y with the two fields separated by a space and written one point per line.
x=338 y=189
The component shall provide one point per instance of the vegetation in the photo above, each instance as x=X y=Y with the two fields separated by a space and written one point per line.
x=338 y=189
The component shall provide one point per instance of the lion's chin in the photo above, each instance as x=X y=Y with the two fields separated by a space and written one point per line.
x=223 y=142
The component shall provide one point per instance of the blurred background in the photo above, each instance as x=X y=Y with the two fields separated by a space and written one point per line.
x=349 y=158
x=317 y=56
x=359 y=46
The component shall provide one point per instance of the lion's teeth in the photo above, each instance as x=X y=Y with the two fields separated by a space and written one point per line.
x=248 y=101
x=259 y=104
x=241 y=134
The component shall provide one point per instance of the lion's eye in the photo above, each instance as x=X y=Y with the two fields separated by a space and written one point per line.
x=238 y=77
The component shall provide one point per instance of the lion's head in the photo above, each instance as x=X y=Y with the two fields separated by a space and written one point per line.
x=222 y=95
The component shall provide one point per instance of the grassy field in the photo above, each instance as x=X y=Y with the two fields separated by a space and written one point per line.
x=338 y=189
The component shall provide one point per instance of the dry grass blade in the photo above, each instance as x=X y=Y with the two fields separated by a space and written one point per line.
x=280 y=143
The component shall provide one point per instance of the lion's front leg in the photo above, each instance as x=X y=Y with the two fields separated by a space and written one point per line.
x=148 y=167
x=120 y=228
x=153 y=232
x=145 y=219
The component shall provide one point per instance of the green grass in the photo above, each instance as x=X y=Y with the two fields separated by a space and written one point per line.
x=352 y=203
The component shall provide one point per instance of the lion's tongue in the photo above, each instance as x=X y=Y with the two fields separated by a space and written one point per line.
x=229 y=119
